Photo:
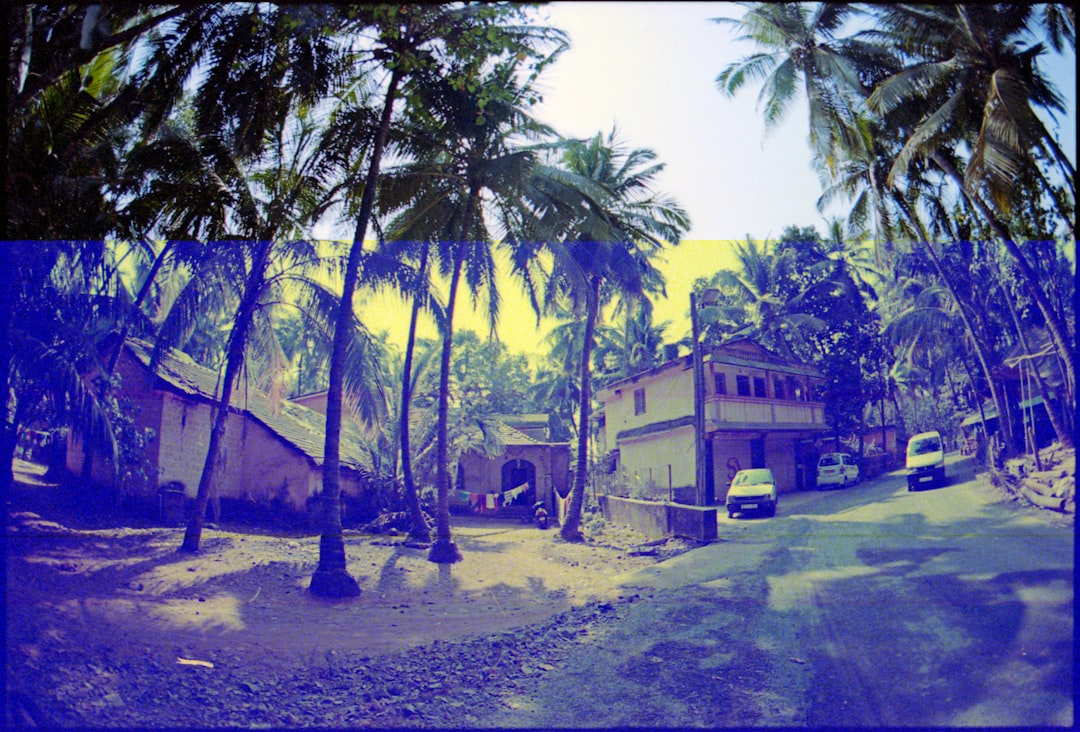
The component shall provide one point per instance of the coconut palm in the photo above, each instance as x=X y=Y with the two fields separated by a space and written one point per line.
x=762 y=286
x=455 y=41
x=800 y=40
x=606 y=226
x=973 y=81
x=51 y=332
x=249 y=213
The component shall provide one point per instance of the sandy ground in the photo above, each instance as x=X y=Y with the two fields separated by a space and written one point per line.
x=246 y=595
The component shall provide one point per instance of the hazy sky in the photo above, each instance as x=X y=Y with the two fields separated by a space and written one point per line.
x=649 y=68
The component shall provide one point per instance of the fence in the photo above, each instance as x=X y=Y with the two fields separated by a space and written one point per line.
x=648 y=484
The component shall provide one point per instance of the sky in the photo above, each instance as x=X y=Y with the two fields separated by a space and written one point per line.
x=650 y=69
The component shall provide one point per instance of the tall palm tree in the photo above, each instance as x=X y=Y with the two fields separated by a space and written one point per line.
x=607 y=226
x=483 y=145
x=453 y=40
x=799 y=40
x=973 y=81
x=249 y=211
x=776 y=317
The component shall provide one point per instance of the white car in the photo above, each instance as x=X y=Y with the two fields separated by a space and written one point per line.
x=753 y=489
x=925 y=461
x=837 y=468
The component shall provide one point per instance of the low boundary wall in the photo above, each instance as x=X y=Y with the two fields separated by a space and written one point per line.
x=659 y=519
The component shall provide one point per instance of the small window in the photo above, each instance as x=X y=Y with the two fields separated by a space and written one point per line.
x=639 y=401
x=759 y=387
x=778 y=388
x=720 y=382
x=742 y=385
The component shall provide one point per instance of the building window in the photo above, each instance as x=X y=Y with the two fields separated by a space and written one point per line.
x=759 y=387
x=720 y=382
x=742 y=385
x=639 y=401
x=778 y=388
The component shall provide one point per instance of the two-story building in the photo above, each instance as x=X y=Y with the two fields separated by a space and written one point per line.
x=759 y=411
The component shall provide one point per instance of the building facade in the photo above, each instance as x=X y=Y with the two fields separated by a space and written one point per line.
x=529 y=469
x=273 y=452
x=759 y=411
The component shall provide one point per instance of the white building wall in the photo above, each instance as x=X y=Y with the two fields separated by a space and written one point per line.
x=668 y=395
x=655 y=454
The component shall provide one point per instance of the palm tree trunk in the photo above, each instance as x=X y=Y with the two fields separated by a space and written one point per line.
x=1062 y=433
x=420 y=530
x=571 y=528
x=8 y=437
x=969 y=329
x=444 y=551
x=234 y=361
x=1058 y=331
x=331 y=577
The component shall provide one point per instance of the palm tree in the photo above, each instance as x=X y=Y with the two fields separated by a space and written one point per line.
x=610 y=226
x=800 y=39
x=453 y=40
x=760 y=286
x=248 y=212
x=972 y=81
x=51 y=329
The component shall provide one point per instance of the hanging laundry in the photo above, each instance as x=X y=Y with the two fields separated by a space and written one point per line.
x=492 y=500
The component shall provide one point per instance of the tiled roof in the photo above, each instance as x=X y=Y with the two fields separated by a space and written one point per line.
x=514 y=437
x=300 y=427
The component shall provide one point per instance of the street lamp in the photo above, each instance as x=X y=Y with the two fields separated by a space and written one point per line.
x=705 y=493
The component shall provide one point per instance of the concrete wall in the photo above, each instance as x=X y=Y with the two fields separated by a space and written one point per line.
x=657 y=520
x=648 y=517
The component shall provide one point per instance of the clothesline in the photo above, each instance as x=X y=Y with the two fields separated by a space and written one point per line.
x=490 y=501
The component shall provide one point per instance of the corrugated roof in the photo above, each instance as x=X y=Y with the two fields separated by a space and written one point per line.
x=300 y=427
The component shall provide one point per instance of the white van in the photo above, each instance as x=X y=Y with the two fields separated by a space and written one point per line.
x=925 y=460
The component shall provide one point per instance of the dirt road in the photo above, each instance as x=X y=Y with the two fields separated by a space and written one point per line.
x=866 y=607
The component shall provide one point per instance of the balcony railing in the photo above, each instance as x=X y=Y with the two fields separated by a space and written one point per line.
x=720 y=410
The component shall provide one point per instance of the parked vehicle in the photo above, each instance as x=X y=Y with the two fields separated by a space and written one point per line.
x=838 y=469
x=753 y=489
x=925 y=460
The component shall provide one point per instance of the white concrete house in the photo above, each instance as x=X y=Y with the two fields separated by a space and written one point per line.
x=760 y=411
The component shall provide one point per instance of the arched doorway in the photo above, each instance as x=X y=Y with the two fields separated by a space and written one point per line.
x=515 y=474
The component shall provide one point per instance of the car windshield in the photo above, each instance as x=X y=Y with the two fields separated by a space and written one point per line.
x=829 y=461
x=930 y=444
x=749 y=477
